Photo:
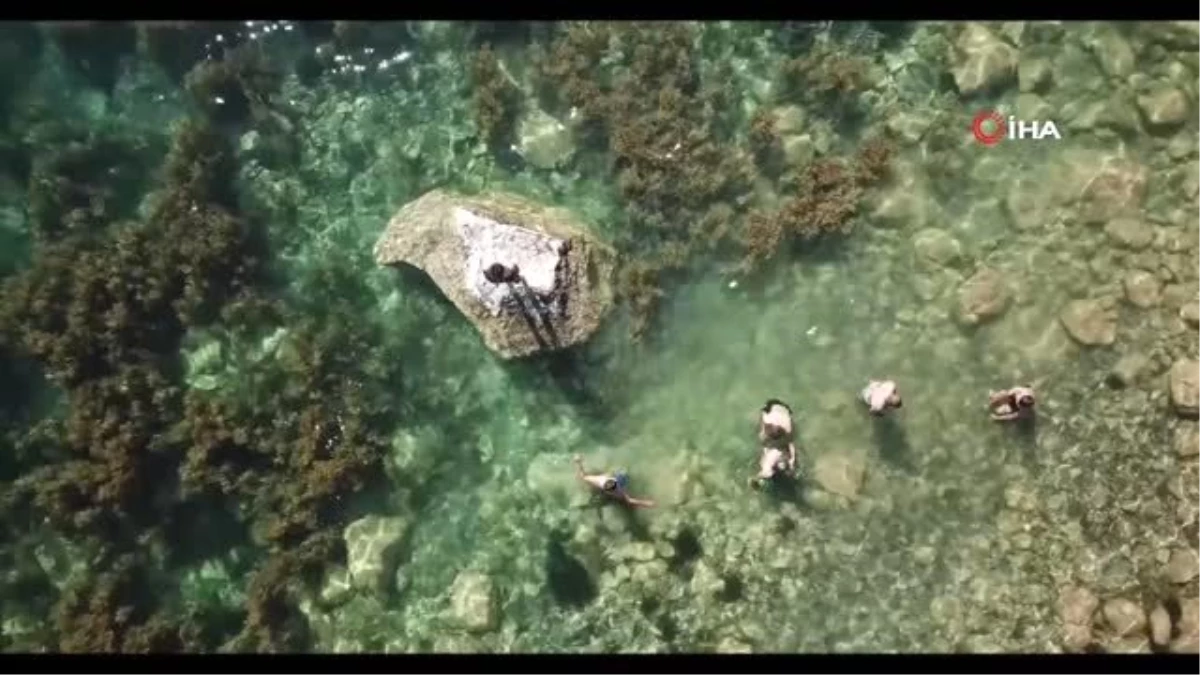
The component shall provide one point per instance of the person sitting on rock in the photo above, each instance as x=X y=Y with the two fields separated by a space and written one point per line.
x=497 y=273
x=1011 y=404
x=610 y=485
x=881 y=396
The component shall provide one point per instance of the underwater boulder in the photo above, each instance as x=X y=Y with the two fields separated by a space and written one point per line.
x=528 y=276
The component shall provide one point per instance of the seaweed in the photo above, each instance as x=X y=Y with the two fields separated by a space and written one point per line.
x=237 y=89
x=497 y=100
x=84 y=185
x=109 y=613
x=827 y=78
x=104 y=317
x=826 y=197
x=94 y=49
x=676 y=175
x=177 y=46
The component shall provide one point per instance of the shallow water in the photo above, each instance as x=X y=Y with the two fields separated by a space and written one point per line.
x=930 y=529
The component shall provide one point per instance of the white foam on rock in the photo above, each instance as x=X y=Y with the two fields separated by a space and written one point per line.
x=488 y=242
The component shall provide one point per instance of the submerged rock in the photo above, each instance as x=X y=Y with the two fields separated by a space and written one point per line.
x=1183 y=566
x=1124 y=617
x=1127 y=370
x=1182 y=35
x=473 y=602
x=1034 y=74
x=1113 y=52
x=372 y=551
x=1091 y=323
x=1076 y=606
x=1187 y=441
x=1130 y=233
x=840 y=473
x=1142 y=289
x=1187 y=627
x=543 y=141
x=1164 y=107
x=1160 y=626
x=985 y=60
x=936 y=248
x=564 y=287
x=983 y=297
x=1184 y=388
x=1190 y=314
x=1115 y=190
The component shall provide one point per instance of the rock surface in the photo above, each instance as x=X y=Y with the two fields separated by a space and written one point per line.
x=840 y=473
x=1076 y=606
x=1124 y=617
x=1128 y=370
x=372 y=549
x=983 y=297
x=1160 y=626
x=1142 y=289
x=1131 y=233
x=1184 y=388
x=564 y=294
x=985 y=61
x=473 y=602
x=1183 y=566
x=936 y=248
x=1164 y=106
x=1115 y=190
x=1113 y=52
x=543 y=141
x=1187 y=628
x=1190 y=314
x=1091 y=323
x=1187 y=441
x=1034 y=74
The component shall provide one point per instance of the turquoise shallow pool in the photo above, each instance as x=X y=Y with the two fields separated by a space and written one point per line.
x=1068 y=264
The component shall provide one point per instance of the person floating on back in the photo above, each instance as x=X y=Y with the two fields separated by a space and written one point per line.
x=610 y=485
x=881 y=396
x=1011 y=404
x=775 y=434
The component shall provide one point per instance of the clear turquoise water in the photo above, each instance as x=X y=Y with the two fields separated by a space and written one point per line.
x=959 y=534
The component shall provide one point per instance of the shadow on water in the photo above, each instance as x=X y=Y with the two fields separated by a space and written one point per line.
x=1024 y=430
x=568 y=580
x=687 y=550
x=569 y=370
x=633 y=522
x=892 y=441
x=786 y=488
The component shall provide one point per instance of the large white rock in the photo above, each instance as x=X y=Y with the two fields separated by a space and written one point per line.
x=566 y=289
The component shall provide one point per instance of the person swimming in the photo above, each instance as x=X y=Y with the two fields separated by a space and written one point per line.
x=775 y=432
x=881 y=396
x=1011 y=404
x=610 y=485
x=771 y=463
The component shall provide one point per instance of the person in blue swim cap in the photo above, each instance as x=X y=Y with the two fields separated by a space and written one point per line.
x=611 y=485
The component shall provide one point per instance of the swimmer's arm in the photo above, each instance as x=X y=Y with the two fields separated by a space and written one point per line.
x=1005 y=417
x=640 y=503
x=996 y=397
x=791 y=455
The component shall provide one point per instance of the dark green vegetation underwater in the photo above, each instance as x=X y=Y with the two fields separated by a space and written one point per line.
x=137 y=235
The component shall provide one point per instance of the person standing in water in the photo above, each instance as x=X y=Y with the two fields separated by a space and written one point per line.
x=881 y=396
x=775 y=433
x=611 y=485
x=1011 y=404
